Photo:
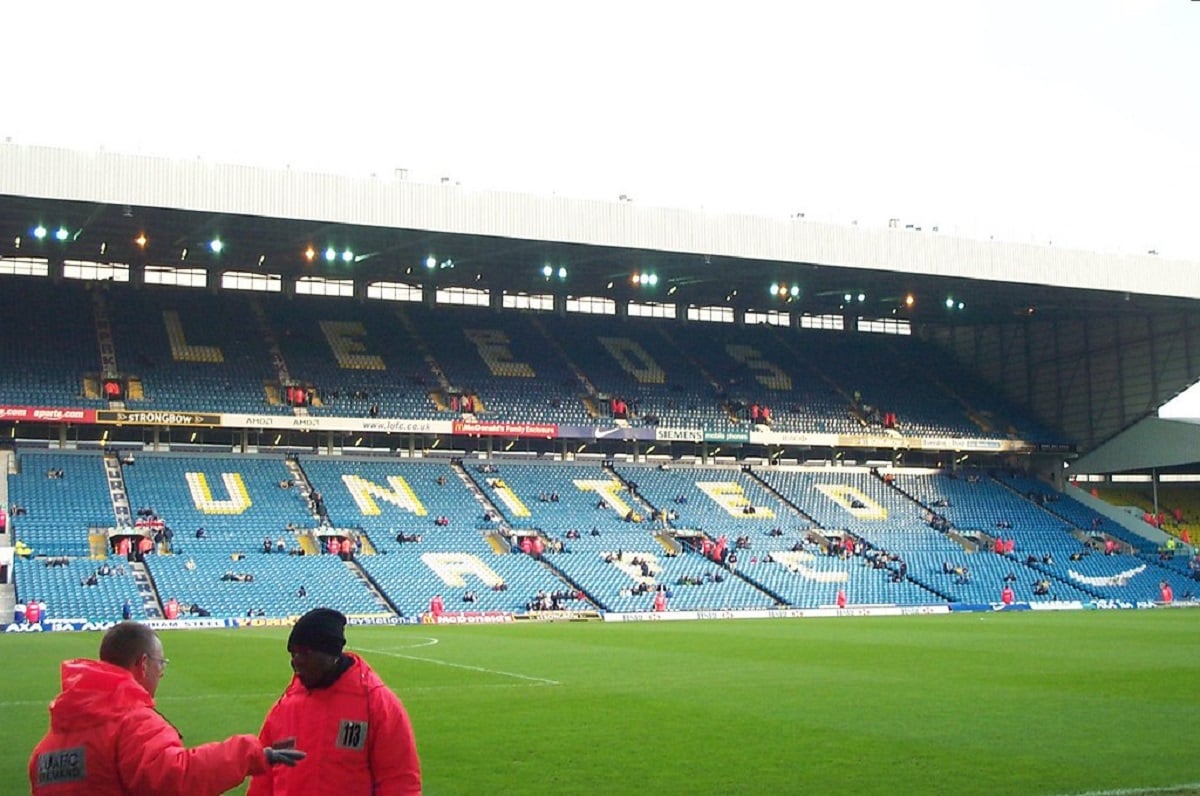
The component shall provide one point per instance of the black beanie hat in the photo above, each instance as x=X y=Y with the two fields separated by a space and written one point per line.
x=321 y=629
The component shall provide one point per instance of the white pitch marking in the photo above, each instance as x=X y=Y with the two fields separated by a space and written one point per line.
x=1184 y=788
x=464 y=666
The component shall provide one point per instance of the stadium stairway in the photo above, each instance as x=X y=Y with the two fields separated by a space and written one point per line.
x=146 y=589
x=370 y=585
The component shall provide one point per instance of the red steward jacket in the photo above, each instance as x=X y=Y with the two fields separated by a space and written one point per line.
x=106 y=738
x=357 y=736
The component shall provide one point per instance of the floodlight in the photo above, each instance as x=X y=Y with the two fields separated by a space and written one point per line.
x=215 y=245
x=431 y=262
x=347 y=256
x=562 y=272
x=330 y=254
x=39 y=232
x=547 y=270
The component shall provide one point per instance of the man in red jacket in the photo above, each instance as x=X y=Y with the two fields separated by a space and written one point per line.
x=356 y=732
x=106 y=737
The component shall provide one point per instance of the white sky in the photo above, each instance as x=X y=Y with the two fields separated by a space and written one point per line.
x=1071 y=121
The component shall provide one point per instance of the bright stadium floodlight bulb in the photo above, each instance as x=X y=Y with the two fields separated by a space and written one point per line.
x=547 y=270
x=795 y=291
x=774 y=288
x=330 y=254
x=862 y=297
x=431 y=262
x=347 y=256
x=310 y=253
x=39 y=232
x=562 y=272
x=62 y=233
x=950 y=302
x=846 y=298
x=653 y=279
x=216 y=246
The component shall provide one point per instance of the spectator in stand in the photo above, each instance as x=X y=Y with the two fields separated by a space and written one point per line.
x=841 y=597
x=33 y=612
x=1165 y=593
x=171 y=609
x=1007 y=595
x=126 y=611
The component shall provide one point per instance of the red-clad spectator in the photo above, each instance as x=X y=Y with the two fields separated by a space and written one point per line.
x=1178 y=514
x=332 y=546
x=124 y=546
x=171 y=609
x=1165 y=593
x=660 y=601
x=346 y=548
x=1010 y=544
x=1110 y=547
x=526 y=545
x=998 y=546
x=1006 y=595
x=145 y=546
x=436 y=606
x=755 y=412
x=841 y=597
x=766 y=416
x=33 y=612
x=538 y=546
x=1184 y=536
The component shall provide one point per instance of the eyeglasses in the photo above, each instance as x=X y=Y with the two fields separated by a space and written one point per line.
x=162 y=662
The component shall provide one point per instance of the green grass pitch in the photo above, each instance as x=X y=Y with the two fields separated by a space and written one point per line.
x=1019 y=703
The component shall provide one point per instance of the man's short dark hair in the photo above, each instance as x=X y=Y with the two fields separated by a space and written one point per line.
x=125 y=642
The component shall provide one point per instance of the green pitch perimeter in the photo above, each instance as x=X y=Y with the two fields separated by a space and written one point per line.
x=1021 y=703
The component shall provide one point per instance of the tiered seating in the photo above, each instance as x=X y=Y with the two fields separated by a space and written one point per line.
x=504 y=360
x=197 y=578
x=59 y=511
x=49 y=343
x=236 y=499
x=385 y=498
x=192 y=351
x=358 y=355
x=636 y=361
x=62 y=589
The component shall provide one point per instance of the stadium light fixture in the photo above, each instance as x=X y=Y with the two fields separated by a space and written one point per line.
x=547 y=270
x=862 y=297
x=562 y=272
x=62 y=234
x=39 y=232
x=949 y=302
x=330 y=254
x=347 y=256
x=216 y=246
x=846 y=298
x=795 y=291
x=141 y=240
x=774 y=288
x=310 y=253
x=672 y=289
x=910 y=300
x=431 y=262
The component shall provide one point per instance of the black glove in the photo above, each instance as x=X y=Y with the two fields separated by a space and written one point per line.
x=286 y=757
